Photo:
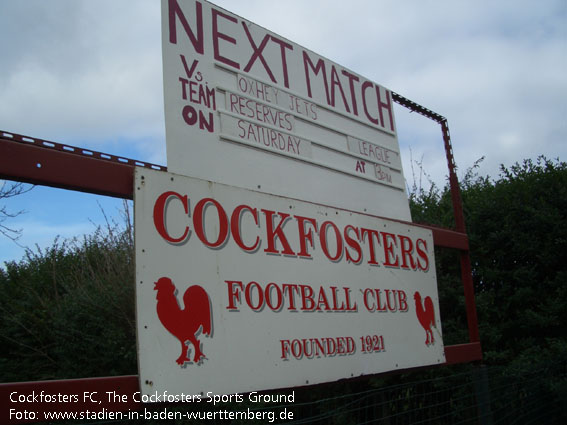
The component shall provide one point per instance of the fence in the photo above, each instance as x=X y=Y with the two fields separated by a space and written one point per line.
x=480 y=395
x=477 y=395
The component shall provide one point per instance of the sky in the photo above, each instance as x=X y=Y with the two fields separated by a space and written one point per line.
x=89 y=74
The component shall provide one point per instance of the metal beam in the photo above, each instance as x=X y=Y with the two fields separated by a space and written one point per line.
x=53 y=164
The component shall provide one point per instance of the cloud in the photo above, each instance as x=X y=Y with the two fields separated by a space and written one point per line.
x=83 y=70
x=89 y=73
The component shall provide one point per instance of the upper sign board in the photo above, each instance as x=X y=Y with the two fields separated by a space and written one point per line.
x=240 y=291
x=246 y=107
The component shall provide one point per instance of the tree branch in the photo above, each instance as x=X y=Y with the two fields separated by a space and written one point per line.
x=9 y=190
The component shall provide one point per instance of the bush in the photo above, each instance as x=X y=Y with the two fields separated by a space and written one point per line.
x=68 y=311
x=517 y=227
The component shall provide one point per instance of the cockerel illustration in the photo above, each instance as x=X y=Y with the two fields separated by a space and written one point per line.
x=426 y=316
x=184 y=323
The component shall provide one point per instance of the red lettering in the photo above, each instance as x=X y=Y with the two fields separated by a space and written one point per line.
x=316 y=69
x=277 y=232
x=249 y=299
x=175 y=11
x=283 y=46
x=379 y=307
x=335 y=307
x=279 y=296
x=385 y=105
x=406 y=245
x=304 y=235
x=389 y=250
x=371 y=233
x=393 y=292
x=236 y=100
x=347 y=299
x=306 y=347
x=353 y=243
x=235 y=220
x=190 y=115
x=335 y=81
x=162 y=202
x=351 y=79
x=257 y=53
x=360 y=166
x=402 y=301
x=296 y=349
x=290 y=294
x=203 y=123
x=307 y=301
x=322 y=300
x=233 y=293
x=198 y=222
x=338 y=239
x=365 y=295
x=341 y=346
x=219 y=35
x=331 y=351
x=184 y=82
x=188 y=71
x=421 y=248
x=285 y=348
x=366 y=85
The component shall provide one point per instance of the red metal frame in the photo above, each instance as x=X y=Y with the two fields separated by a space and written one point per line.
x=48 y=163
x=460 y=228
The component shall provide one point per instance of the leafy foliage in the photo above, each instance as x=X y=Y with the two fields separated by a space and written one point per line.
x=68 y=311
x=518 y=238
x=519 y=263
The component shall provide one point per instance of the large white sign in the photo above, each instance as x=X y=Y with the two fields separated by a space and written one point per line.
x=249 y=108
x=239 y=290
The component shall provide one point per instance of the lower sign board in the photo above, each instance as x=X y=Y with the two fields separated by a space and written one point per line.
x=240 y=291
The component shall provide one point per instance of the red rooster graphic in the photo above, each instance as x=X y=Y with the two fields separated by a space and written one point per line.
x=184 y=323
x=426 y=316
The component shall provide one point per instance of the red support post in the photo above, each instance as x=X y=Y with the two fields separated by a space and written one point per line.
x=458 y=213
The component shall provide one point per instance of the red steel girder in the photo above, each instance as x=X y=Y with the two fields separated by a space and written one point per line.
x=47 y=163
x=466 y=269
